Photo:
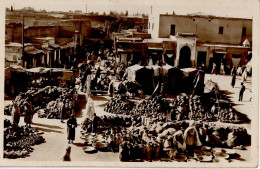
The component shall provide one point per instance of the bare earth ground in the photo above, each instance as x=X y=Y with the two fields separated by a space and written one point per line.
x=55 y=132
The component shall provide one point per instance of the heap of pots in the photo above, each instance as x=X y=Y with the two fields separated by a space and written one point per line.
x=119 y=106
x=151 y=141
x=18 y=141
x=182 y=108
x=107 y=122
x=44 y=99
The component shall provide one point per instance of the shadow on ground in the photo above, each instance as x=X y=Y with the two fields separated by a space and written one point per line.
x=227 y=97
x=48 y=130
x=49 y=126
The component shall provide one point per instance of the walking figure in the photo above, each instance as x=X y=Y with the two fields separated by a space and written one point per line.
x=71 y=124
x=242 y=89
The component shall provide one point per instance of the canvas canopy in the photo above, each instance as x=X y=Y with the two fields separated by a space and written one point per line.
x=132 y=72
x=187 y=72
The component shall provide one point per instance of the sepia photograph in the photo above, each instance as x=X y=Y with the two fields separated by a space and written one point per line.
x=116 y=83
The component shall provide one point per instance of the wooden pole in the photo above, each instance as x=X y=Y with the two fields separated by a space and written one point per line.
x=23 y=41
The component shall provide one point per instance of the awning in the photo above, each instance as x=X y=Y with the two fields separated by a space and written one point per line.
x=219 y=51
x=154 y=48
x=55 y=46
x=120 y=50
x=38 y=70
x=72 y=44
x=169 y=55
x=64 y=46
x=34 y=51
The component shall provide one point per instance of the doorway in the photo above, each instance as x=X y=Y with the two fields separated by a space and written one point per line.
x=201 y=58
x=217 y=59
x=184 y=60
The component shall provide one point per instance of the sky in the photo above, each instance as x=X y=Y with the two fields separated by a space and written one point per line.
x=229 y=8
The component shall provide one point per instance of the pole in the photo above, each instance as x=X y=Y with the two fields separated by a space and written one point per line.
x=216 y=96
x=23 y=41
x=196 y=27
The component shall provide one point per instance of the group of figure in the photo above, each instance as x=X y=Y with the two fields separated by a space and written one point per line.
x=221 y=69
x=22 y=105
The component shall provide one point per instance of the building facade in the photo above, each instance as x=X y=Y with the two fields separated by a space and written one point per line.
x=204 y=39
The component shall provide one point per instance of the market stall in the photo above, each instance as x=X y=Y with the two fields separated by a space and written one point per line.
x=16 y=80
x=143 y=76
x=189 y=75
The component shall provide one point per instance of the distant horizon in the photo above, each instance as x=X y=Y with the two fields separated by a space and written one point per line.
x=240 y=10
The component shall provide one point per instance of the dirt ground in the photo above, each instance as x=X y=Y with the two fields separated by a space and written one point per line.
x=55 y=132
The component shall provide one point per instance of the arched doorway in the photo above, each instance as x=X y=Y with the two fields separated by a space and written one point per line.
x=184 y=60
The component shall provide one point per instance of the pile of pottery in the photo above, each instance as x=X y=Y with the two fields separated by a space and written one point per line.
x=66 y=102
x=229 y=116
x=94 y=142
x=152 y=106
x=18 y=141
x=119 y=106
x=150 y=140
x=107 y=123
x=44 y=99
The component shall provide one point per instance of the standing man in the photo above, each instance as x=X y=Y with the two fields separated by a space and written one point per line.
x=111 y=88
x=244 y=75
x=222 y=69
x=95 y=123
x=242 y=89
x=162 y=91
x=16 y=114
x=191 y=138
x=28 y=112
x=90 y=108
x=214 y=69
x=234 y=74
x=71 y=127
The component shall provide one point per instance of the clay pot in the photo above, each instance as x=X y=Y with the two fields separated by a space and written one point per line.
x=149 y=151
x=156 y=151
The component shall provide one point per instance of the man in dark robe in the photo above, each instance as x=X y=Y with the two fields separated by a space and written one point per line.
x=95 y=122
x=71 y=126
x=241 y=92
x=234 y=74
x=28 y=112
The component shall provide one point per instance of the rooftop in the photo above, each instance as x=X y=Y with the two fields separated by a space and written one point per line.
x=198 y=15
x=16 y=44
x=221 y=45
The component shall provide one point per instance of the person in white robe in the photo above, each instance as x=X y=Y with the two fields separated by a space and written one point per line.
x=90 y=108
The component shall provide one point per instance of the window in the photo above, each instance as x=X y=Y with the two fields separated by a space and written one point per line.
x=172 y=30
x=149 y=25
x=243 y=31
x=220 y=30
x=152 y=26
